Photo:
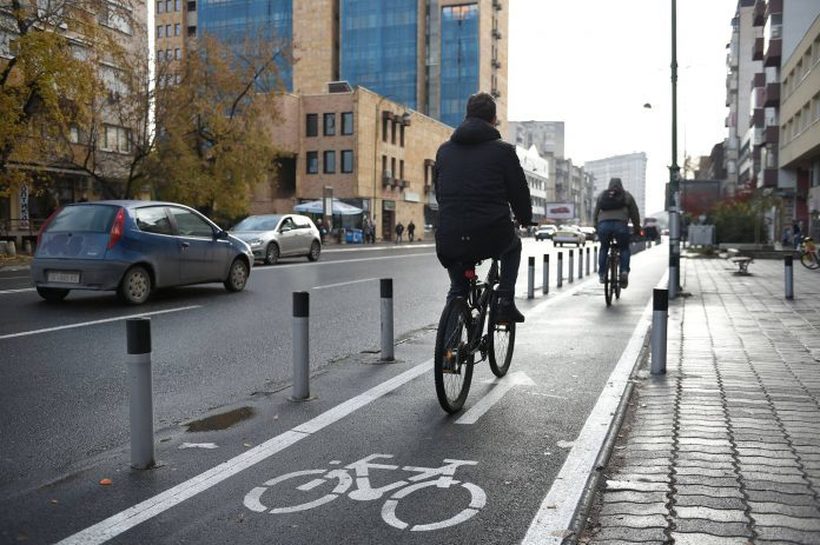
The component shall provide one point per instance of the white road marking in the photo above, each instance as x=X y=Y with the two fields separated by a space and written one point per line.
x=411 y=246
x=343 y=283
x=275 y=268
x=21 y=290
x=125 y=520
x=557 y=510
x=95 y=322
x=208 y=446
x=503 y=385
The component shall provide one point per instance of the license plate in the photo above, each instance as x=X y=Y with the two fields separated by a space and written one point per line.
x=64 y=277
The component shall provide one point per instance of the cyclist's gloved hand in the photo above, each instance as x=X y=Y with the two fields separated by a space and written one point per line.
x=637 y=231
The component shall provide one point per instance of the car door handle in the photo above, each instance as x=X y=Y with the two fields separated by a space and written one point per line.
x=186 y=245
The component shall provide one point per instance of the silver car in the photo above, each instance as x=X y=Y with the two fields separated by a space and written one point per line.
x=133 y=247
x=272 y=236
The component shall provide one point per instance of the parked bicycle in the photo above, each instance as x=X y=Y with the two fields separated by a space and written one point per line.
x=353 y=480
x=612 y=283
x=808 y=253
x=460 y=338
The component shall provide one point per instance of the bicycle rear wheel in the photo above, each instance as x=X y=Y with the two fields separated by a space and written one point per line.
x=501 y=337
x=452 y=367
x=608 y=286
x=809 y=260
x=616 y=280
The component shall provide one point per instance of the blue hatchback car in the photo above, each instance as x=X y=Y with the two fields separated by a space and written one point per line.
x=133 y=247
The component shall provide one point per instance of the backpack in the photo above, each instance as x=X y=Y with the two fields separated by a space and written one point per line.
x=612 y=199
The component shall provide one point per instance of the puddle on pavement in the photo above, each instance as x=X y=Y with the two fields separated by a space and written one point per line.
x=221 y=421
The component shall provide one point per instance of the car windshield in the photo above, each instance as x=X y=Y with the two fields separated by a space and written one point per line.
x=89 y=218
x=257 y=223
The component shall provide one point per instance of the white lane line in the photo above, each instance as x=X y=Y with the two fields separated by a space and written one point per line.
x=557 y=511
x=95 y=322
x=275 y=268
x=343 y=283
x=125 y=520
x=383 y=248
x=502 y=386
x=21 y=290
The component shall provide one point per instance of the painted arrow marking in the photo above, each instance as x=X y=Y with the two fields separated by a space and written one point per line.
x=503 y=385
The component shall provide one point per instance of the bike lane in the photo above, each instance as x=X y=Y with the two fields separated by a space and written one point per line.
x=504 y=450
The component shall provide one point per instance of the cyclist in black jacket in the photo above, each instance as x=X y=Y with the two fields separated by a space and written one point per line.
x=478 y=178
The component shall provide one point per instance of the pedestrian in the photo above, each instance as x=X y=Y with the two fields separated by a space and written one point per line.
x=320 y=225
x=372 y=230
x=399 y=232
x=787 y=237
x=478 y=178
x=797 y=235
x=411 y=231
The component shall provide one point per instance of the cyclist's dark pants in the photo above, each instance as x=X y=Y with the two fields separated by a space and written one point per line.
x=510 y=259
x=620 y=229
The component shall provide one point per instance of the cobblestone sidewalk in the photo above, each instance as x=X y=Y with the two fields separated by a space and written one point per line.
x=725 y=449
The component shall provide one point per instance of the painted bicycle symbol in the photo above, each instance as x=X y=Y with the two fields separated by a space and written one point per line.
x=358 y=472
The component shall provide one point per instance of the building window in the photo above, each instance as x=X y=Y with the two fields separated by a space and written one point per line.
x=347 y=161
x=191 y=6
x=177 y=54
x=116 y=139
x=384 y=129
x=312 y=162
x=384 y=166
x=177 y=29
x=401 y=135
x=330 y=162
x=393 y=167
x=401 y=169
x=168 y=30
x=177 y=5
x=169 y=5
x=159 y=6
x=191 y=31
x=347 y=123
x=330 y=124
x=159 y=31
x=312 y=125
x=393 y=133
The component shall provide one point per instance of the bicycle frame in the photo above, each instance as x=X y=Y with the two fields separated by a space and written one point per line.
x=478 y=299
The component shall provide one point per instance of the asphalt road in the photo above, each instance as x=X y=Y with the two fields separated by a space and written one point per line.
x=228 y=356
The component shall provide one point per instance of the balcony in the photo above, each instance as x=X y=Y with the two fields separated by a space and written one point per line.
x=387 y=179
x=496 y=34
x=772 y=95
x=769 y=178
x=497 y=5
x=757 y=120
x=773 y=6
x=773 y=52
x=772 y=135
x=496 y=63
x=759 y=13
x=757 y=49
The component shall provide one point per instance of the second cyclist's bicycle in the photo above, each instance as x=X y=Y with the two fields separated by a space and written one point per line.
x=808 y=254
x=461 y=338
x=612 y=280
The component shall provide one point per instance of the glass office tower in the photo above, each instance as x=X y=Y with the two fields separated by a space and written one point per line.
x=379 y=47
x=459 y=60
x=236 y=21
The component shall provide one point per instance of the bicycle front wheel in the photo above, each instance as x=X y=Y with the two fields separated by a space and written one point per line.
x=501 y=337
x=452 y=366
x=616 y=280
x=609 y=287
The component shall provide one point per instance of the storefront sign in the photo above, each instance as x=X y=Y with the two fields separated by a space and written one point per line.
x=411 y=197
x=24 y=214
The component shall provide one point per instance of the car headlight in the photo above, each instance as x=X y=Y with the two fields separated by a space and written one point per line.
x=255 y=242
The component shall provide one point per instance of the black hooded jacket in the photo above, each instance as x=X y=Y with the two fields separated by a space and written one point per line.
x=478 y=178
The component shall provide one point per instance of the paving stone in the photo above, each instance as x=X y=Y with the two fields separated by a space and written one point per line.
x=785 y=488
x=633 y=521
x=705 y=456
x=710 y=491
x=636 y=486
x=640 y=477
x=779 y=478
x=795 y=523
x=706 y=539
x=622 y=534
x=808 y=511
x=774 y=496
x=695 y=465
x=684 y=500
x=716 y=528
x=699 y=480
x=634 y=497
x=716 y=515
x=622 y=508
x=779 y=534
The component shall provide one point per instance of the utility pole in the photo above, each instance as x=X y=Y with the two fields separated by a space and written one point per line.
x=673 y=198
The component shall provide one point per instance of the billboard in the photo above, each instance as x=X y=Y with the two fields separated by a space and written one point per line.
x=560 y=211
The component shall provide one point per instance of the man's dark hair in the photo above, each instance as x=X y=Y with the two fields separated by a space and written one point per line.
x=482 y=106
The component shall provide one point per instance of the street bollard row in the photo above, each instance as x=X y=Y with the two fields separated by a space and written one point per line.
x=140 y=392
x=660 y=315
x=789 y=276
x=531 y=277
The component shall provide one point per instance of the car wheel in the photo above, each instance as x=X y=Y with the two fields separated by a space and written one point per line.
x=135 y=286
x=52 y=295
x=237 y=275
x=315 y=251
x=272 y=254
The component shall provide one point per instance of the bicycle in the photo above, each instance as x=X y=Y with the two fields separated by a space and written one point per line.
x=461 y=336
x=808 y=253
x=438 y=477
x=612 y=281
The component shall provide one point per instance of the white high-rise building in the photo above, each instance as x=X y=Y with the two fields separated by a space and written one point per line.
x=630 y=168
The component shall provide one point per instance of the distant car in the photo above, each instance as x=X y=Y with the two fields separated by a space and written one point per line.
x=134 y=247
x=569 y=234
x=589 y=232
x=272 y=236
x=545 y=232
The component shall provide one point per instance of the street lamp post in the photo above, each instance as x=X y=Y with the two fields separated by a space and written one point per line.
x=673 y=204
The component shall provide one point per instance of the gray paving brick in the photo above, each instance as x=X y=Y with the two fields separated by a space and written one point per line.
x=785 y=488
x=704 y=472
x=640 y=477
x=715 y=515
x=808 y=511
x=633 y=521
x=774 y=496
x=699 y=480
x=725 y=529
x=622 y=508
x=634 y=497
x=706 y=456
x=781 y=478
x=779 y=534
x=684 y=500
x=710 y=491
x=706 y=539
x=795 y=523
x=636 y=485
x=623 y=534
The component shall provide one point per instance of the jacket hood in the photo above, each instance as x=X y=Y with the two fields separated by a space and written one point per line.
x=474 y=130
x=615 y=183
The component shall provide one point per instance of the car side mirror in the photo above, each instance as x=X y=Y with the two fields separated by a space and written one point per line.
x=284 y=228
x=221 y=234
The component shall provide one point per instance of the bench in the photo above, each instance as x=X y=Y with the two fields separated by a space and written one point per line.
x=741 y=261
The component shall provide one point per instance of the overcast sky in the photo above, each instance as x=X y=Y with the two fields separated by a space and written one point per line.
x=594 y=63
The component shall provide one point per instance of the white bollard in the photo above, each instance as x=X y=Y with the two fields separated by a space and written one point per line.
x=789 y=272
x=571 y=268
x=301 y=345
x=545 y=287
x=531 y=277
x=386 y=287
x=140 y=392
x=560 y=265
x=660 y=314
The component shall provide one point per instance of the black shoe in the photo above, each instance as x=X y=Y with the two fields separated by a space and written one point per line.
x=624 y=280
x=506 y=310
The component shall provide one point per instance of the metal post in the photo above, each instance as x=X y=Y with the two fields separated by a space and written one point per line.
x=301 y=345
x=387 y=318
x=660 y=314
x=789 y=270
x=580 y=263
x=140 y=395
x=545 y=287
x=673 y=203
x=571 y=268
x=595 y=260
x=588 y=254
x=560 y=279
x=531 y=277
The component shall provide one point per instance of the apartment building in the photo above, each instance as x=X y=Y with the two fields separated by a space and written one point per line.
x=546 y=136
x=536 y=170
x=630 y=168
